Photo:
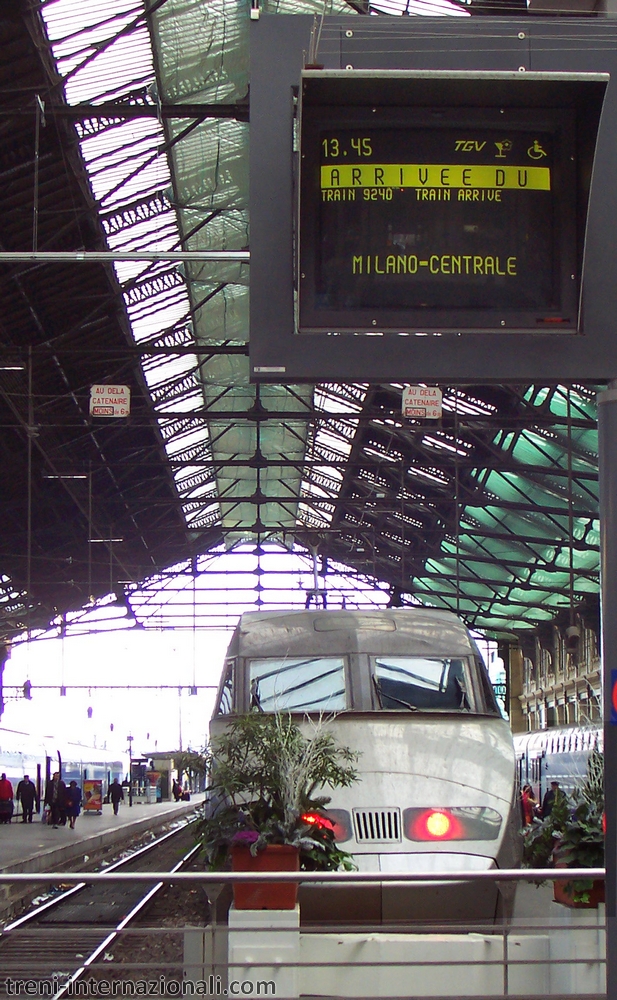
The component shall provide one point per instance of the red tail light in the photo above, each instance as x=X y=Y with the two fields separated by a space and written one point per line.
x=337 y=820
x=316 y=819
x=436 y=824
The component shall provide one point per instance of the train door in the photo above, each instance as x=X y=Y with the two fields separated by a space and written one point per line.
x=521 y=769
x=538 y=775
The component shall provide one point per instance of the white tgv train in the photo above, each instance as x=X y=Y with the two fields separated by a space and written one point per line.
x=407 y=689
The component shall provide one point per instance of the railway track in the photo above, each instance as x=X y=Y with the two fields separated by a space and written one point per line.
x=54 y=945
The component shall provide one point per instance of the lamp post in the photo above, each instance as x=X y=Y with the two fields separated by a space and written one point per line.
x=130 y=743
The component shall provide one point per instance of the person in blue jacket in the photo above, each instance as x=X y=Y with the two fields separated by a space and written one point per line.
x=73 y=803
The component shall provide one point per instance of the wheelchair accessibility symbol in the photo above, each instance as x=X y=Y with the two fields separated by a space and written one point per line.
x=535 y=151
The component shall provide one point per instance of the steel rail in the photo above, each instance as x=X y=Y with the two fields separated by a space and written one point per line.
x=61 y=897
x=100 y=949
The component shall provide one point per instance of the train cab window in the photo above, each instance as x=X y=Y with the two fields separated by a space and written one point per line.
x=298 y=684
x=419 y=683
x=226 y=699
x=488 y=692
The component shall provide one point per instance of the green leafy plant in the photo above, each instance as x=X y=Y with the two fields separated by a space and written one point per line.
x=582 y=842
x=573 y=835
x=264 y=777
x=541 y=837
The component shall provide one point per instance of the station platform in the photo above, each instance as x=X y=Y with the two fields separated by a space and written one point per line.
x=35 y=847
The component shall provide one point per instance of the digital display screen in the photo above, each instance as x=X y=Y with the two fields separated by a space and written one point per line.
x=445 y=222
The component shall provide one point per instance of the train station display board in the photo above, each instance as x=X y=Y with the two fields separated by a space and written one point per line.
x=436 y=218
x=422 y=206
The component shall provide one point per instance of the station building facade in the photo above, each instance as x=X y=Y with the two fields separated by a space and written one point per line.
x=555 y=676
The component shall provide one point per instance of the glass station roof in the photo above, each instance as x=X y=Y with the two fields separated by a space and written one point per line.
x=492 y=512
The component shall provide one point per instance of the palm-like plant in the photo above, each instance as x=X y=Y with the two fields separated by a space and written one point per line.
x=264 y=777
x=573 y=835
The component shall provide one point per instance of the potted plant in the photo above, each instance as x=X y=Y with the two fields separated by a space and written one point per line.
x=264 y=811
x=572 y=836
x=582 y=842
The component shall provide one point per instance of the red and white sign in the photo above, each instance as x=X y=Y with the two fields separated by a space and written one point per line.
x=110 y=401
x=422 y=401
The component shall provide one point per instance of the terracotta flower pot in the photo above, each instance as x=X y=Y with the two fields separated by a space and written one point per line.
x=564 y=895
x=274 y=895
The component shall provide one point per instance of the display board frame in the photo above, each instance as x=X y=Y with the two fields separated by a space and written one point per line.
x=278 y=353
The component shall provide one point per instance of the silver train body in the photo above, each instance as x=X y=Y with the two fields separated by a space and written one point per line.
x=39 y=757
x=408 y=690
x=558 y=754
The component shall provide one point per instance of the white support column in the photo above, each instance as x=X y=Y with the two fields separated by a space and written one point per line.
x=580 y=938
x=264 y=951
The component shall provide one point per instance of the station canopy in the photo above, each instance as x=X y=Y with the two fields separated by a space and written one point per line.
x=126 y=127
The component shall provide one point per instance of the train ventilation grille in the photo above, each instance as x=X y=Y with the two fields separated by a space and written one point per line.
x=377 y=826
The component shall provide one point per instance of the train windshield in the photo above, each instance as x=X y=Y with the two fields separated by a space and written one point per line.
x=420 y=683
x=298 y=684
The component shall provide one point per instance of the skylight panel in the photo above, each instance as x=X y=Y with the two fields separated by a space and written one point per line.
x=186 y=403
x=328 y=400
x=434 y=476
x=100 y=64
x=329 y=472
x=160 y=369
x=456 y=401
x=333 y=440
x=418 y=8
x=314 y=490
x=446 y=444
x=381 y=456
x=103 y=49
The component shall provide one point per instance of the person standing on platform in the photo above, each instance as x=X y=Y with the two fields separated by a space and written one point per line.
x=116 y=795
x=26 y=794
x=55 y=798
x=73 y=803
x=6 y=799
x=529 y=805
x=549 y=799
x=176 y=791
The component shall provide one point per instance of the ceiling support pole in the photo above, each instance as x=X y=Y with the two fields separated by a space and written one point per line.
x=110 y=256
x=4 y=656
x=30 y=432
x=607 y=456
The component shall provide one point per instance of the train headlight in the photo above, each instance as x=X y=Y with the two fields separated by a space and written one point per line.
x=458 y=823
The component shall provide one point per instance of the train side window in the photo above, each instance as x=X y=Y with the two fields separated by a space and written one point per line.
x=298 y=684
x=226 y=697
